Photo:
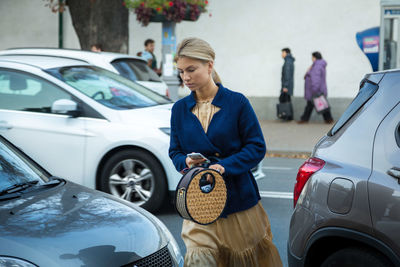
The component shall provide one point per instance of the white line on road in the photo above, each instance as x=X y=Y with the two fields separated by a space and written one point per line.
x=274 y=194
x=277 y=168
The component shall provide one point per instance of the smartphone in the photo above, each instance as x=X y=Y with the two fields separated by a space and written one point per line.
x=197 y=156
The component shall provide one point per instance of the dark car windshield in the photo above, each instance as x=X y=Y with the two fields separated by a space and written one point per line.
x=15 y=168
x=367 y=90
x=107 y=88
x=134 y=69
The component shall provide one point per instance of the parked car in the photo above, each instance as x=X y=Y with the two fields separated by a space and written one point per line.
x=49 y=221
x=130 y=67
x=347 y=195
x=91 y=126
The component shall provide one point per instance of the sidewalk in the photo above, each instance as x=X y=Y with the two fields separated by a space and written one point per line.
x=289 y=139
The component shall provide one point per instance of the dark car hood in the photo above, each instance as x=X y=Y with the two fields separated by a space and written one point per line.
x=71 y=225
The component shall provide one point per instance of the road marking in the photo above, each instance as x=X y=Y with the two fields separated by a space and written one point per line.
x=277 y=168
x=275 y=194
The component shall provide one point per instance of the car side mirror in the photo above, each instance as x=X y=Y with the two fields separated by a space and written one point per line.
x=66 y=107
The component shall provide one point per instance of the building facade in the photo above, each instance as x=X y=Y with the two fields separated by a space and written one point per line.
x=247 y=36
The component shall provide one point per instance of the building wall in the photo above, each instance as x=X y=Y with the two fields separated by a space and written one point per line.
x=247 y=36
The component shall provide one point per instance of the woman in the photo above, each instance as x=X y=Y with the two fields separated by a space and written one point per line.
x=315 y=83
x=217 y=122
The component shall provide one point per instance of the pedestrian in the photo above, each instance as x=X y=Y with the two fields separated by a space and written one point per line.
x=287 y=79
x=148 y=55
x=221 y=125
x=314 y=85
x=96 y=48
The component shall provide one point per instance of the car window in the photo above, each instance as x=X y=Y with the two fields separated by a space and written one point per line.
x=367 y=90
x=25 y=92
x=108 y=88
x=397 y=135
x=15 y=169
x=135 y=70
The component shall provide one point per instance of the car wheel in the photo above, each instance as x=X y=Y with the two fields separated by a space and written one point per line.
x=135 y=176
x=356 y=257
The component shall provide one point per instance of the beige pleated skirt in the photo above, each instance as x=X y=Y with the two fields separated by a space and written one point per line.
x=243 y=239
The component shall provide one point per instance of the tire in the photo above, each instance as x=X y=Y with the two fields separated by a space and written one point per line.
x=135 y=176
x=356 y=257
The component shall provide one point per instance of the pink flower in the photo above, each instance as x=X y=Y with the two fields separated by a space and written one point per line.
x=170 y=4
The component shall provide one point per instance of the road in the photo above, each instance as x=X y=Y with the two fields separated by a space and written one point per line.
x=276 y=191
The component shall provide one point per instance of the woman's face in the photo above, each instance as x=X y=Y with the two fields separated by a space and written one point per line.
x=194 y=73
x=313 y=58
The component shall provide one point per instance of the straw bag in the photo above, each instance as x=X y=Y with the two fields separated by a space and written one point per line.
x=199 y=200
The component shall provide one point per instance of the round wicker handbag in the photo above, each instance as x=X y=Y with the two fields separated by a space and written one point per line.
x=200 y=199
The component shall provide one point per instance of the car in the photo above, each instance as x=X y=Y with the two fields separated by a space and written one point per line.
x=131 y=67
x=91 y=126
x=347 y=195
x=49 y=221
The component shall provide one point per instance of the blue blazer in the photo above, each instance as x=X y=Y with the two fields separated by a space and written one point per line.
x=234 y=135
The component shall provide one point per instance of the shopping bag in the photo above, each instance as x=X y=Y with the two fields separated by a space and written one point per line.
x=320 y=103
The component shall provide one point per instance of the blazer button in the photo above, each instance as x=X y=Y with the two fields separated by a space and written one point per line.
x=217 y=154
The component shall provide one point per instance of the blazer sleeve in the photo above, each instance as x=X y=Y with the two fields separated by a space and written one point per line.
x=175 y=151
x=253 y=145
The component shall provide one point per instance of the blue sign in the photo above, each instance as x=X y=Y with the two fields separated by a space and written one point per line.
x=368 y=41
x=392 y=12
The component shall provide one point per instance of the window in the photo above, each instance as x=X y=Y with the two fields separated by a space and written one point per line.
x=108 y=88
x=367 y=90
x=135 y=70
x=25 y=92
x=397 y=135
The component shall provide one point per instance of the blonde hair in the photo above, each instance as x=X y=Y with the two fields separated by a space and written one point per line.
x=197 y=48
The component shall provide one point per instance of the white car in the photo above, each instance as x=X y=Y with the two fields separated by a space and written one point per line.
x=90 y=126
x=130 y=67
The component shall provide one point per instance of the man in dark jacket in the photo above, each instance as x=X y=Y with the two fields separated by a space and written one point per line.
x=287 y=75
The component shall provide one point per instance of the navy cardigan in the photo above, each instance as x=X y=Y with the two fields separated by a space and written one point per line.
x=234 y=135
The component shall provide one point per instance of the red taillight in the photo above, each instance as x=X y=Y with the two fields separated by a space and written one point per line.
x=308 y=168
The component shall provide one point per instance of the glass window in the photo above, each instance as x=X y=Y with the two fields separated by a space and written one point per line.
x=135 y=70
x=16 y=169
x=397 y=135
x=108 y=88
x=367 y=90
x=25 y=92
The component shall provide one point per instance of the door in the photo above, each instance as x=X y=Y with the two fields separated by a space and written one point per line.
x=55 y=141
x=384 y=183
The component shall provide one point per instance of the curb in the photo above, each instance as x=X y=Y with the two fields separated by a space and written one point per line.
x=288 y=154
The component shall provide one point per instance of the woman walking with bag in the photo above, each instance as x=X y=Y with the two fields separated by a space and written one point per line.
x=218 y=122
x=315 y=84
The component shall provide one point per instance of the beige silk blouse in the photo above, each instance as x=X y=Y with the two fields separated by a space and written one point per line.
x=204 y=111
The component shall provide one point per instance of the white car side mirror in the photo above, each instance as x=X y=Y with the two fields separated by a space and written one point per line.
x=66 y=107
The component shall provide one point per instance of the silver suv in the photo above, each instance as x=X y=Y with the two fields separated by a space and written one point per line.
x=347 y=195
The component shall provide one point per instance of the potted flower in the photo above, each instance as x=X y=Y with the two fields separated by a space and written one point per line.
x=166 y=10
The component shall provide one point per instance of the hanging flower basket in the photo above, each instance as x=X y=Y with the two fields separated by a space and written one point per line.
x=161 y=10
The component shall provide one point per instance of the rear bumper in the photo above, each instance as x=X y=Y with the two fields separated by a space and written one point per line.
x=293 y=261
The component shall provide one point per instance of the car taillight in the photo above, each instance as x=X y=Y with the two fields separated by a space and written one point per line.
x=311 y=166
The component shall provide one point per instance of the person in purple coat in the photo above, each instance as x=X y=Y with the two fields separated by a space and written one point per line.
x=315 y=83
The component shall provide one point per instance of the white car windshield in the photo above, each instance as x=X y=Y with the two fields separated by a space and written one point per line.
x=108 y=88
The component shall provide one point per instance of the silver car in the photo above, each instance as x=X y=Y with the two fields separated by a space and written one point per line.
x=347 y=195
x=49 y=221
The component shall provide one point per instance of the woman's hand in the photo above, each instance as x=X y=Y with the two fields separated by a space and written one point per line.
x=193 y=162
x=218 y=168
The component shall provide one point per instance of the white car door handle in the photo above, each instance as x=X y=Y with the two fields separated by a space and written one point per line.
x=5 y=126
